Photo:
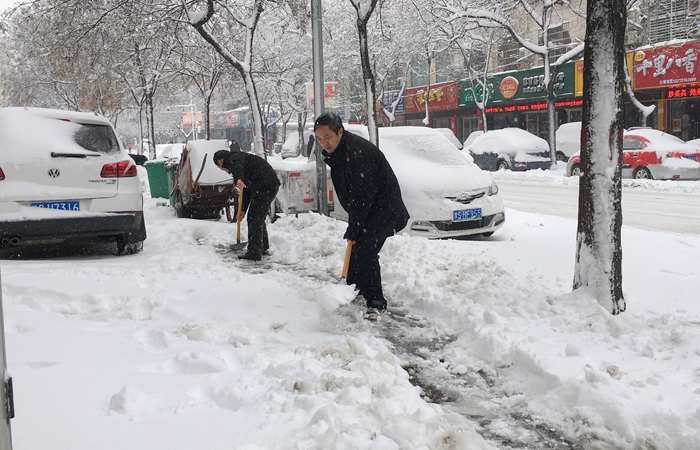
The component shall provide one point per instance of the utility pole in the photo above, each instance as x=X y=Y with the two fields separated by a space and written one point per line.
x=319 y=107
x=7 y=408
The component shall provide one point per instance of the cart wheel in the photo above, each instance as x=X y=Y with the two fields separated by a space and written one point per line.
x=227 y=210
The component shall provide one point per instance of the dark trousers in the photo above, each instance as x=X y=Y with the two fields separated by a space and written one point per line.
x=258 y=241
x=364 y=271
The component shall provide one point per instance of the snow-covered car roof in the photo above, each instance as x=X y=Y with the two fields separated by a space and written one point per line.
x=695 y=142
x=661 y=142
x=508 y=141
x=424 y=160
x=569 y=133
x=202 y=150
x=473 y=135
x=30 y=134
x=450 y=136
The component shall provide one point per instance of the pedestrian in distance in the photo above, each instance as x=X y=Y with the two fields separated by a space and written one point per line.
x=260 y=185
x=366 y=187
x=234 y=147
x=310 y=146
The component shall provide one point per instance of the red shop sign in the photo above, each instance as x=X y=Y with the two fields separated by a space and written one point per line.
x=442 y=97
x=667 y=66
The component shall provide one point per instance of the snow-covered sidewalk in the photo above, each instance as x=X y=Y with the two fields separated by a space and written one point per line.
x=182 y=346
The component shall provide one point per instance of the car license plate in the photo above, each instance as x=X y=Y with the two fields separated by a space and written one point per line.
x=63 y=206
x=466 y=214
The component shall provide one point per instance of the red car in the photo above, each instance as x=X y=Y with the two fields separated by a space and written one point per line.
x=649 y=154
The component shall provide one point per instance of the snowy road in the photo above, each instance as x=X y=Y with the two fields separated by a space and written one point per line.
x=645 y=209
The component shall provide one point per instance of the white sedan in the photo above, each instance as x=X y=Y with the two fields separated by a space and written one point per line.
x=446 y=195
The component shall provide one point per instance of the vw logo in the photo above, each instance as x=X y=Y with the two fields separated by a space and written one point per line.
x=54 y=173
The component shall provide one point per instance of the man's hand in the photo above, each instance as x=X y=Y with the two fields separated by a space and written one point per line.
x=240 y=184
x=240 y=216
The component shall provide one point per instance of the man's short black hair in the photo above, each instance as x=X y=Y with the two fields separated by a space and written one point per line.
x=221 y=154
x=331 y=120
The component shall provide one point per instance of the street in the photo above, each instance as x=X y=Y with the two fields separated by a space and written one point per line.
x=644 y=209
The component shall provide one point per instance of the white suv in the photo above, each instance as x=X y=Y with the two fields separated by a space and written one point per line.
x=65 y=176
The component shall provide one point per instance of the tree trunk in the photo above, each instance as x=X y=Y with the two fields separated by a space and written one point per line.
x=150 y=127
x=598 y=267
x=369 y=81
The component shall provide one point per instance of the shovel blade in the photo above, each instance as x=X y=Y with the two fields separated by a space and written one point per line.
x=238 y=246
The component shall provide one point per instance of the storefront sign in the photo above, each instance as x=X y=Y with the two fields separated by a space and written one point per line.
x=524 y=86
x=466 y=95
x=187 y=118
x=539 y=106
x=388 y=99
x=442 y=97
x=692 y=90
x=330 y=94
x=667 y=66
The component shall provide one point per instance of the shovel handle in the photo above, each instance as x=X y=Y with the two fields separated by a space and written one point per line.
x=346 y=264
x=238 y=222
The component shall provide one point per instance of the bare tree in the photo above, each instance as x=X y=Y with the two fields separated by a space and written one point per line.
x=364 y=10
x=598 y=265
x=547 y=20
x=247 y=19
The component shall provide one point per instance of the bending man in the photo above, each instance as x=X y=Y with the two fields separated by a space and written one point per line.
x=260 y=185
x=368 y=190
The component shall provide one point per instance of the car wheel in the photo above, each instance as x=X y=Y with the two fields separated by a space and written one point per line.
x=501 y=165
x=561 y=157
x=487 y=234
x=576 y=170
x=642 y=173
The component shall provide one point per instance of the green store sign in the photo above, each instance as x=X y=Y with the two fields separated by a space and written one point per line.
x=519 y=86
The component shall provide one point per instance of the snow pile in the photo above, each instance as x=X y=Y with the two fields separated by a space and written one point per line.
x=201 y=153
x=183 y=346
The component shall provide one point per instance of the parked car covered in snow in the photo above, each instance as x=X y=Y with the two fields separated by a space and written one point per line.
x=450 y=136
x=446 y=195
x=510 y=148
x=200 y=188
x=66 y=177
x=568 y=140
x=652 y=154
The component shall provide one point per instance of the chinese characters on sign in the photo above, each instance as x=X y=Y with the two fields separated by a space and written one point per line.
x=666 y=66
x=442 y=97
x=684 y=91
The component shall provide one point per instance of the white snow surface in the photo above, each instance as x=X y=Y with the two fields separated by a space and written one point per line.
x=183 y=346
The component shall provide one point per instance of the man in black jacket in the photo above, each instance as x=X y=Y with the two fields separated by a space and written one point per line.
x=368 y=190
x=260 y=185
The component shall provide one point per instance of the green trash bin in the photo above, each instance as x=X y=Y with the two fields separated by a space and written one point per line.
x=158 y=178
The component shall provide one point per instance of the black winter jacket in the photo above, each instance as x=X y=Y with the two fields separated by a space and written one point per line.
x=366 y=187
x=255 y=172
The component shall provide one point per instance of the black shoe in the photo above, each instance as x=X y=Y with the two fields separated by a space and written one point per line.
x=374 y=313
x=250 y=256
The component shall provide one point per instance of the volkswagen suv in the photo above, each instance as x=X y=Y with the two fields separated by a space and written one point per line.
x=64 y=177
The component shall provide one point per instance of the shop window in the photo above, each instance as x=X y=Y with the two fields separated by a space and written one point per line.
x=509 y=54
x=672 y=19
x=559 y=40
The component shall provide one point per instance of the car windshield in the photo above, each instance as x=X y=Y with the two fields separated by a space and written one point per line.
x=433 y=148
x=96 y=138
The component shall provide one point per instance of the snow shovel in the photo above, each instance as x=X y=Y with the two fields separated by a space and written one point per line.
x=239 y=245
x=346 y=264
